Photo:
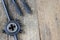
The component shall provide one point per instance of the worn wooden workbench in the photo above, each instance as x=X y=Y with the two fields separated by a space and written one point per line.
x=43 y=24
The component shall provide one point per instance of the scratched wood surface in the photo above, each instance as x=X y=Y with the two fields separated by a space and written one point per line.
x=49 y=19
x=29 y=21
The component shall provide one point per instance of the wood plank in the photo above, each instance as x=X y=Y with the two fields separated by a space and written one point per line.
x=49 y=19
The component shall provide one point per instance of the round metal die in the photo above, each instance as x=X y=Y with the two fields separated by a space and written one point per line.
x=12 y=27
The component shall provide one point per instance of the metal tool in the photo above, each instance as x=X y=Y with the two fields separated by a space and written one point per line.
x=13 y=27
x=6 y=10
x=26 y=6
x=18 y=9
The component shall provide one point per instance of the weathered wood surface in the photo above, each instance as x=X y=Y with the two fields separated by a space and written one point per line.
x=49 y=19
x=31 y=31
x=43 y=24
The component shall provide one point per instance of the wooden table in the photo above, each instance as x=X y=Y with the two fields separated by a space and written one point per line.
x=43 y=24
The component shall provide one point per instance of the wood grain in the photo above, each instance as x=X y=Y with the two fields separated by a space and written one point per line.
x=49 y=19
